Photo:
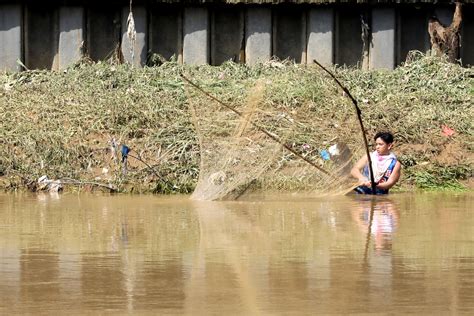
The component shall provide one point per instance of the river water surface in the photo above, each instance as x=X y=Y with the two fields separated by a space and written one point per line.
x=276 y=254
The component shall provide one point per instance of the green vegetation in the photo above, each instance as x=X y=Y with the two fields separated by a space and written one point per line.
x=60 y=124
x=438 y=177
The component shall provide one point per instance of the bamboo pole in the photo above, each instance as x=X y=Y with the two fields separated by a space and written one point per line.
x=359 y=117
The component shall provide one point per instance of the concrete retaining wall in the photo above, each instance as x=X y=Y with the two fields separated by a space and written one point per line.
x=467 y=37
x=320 y=43
x=196 y=36
x=258 y=35
x=227 y=34
x=412 y=32
x=348 y=42
x=166 y=32
x=10 y=37
x=289 y=34
x=56 y=35
x=382 y=49
x=103 y=32
x=135 y=55
x=41 y=37
x=71 y=35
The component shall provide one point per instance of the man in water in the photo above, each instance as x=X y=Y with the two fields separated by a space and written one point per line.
x=385 y=165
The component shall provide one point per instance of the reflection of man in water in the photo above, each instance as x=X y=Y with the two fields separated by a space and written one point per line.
x=383 y=223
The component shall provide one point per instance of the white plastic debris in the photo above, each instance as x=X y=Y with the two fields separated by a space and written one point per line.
x=45 y=184
x=334 y=150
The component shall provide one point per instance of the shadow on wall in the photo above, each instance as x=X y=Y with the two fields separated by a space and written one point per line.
x=103 y=31
x=288 y=22
x=165 y=31
x=41 y=36
x=467 y=37
x=227 y=33
x=348 y=39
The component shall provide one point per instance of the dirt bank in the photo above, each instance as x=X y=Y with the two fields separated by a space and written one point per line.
x=61 y=124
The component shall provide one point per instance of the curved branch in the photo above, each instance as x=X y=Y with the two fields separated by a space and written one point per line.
x=457 y=18
x=359 y=117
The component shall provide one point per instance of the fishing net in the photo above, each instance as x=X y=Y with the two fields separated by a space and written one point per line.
x=235 y=149
x=289 y=148
x=331 y=152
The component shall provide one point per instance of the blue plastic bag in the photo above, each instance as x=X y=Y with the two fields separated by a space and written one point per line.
x=324 y=154
x=125 y=151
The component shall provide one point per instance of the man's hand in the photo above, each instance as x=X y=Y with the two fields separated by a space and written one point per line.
x=365 y=182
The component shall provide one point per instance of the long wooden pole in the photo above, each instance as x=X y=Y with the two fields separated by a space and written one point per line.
x=261 y=129
x=359 y=117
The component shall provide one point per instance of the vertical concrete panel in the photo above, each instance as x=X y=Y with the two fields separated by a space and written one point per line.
x=166 y=32
x=467 y=38
x=288 y=40
x=103 y=32
x=321 y=36
x=349 y=44
x=258 y=35
x=71 y=37
x=41 y=36
x=412 y=32
x=140 y=48
x=227 y=35
x=196 y=36
x=10 y=37
x=382 y=50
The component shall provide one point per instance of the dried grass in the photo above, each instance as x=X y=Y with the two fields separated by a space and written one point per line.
x=60 y=123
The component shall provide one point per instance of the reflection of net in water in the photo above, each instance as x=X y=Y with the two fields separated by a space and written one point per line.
x=235 y=150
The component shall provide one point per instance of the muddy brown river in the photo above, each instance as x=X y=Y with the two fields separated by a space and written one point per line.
x=274 y=254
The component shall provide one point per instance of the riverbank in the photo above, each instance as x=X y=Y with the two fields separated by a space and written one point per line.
x=61 y=124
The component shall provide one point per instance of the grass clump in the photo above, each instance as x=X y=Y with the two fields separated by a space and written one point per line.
x=438 y=177
x=62 y=123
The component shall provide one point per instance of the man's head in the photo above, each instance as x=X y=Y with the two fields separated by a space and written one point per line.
x=383 y=142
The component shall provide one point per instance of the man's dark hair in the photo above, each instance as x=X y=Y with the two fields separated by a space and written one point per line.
x=387 y=137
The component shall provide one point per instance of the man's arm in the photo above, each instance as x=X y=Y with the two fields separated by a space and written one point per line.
x=355 y=171
x=393 y=178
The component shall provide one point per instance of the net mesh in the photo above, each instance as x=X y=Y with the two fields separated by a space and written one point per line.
x=239 y=148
